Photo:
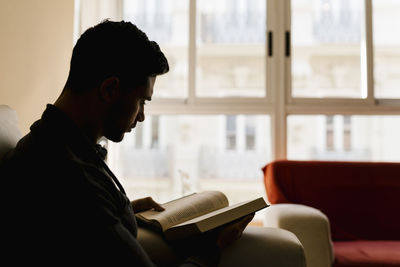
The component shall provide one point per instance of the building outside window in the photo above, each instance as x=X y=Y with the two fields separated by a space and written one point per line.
x=347 y=133
x=138 y=136
x=251 y=125
x=231 y=132
x=330 y=141
x=155 y=132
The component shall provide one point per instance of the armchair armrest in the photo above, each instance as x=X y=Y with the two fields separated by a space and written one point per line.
x=157 y=248
x=310 y=226
x=258 y=246
x=265 y=246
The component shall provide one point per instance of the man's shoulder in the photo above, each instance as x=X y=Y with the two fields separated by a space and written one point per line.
x=42 y=162
x=32 y=149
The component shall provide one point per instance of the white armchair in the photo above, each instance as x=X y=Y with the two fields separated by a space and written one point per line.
x=9 y=130
x=310 y=226
x=258 y=246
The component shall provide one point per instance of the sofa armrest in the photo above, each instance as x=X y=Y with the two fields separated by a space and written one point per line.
x=258 y=246
x=310 y=226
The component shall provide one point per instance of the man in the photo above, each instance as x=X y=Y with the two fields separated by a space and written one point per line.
x=63 y=204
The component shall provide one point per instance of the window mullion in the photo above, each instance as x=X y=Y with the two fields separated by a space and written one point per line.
x=269 y=50
x=192 y=52
x=282 y=70
x=369 y=77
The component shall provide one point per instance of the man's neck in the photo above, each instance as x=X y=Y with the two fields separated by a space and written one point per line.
x=79 y=109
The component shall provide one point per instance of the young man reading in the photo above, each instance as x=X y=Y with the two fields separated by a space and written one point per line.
x=63 y=204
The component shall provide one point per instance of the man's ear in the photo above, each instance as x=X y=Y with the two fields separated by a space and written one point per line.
x=109 y=89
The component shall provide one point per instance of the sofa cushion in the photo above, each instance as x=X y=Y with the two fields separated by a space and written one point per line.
x=360 y=198
x=367 y=253
x=9 y=131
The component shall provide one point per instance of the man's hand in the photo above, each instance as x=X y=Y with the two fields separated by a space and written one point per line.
x=233 y=231
x=205 y=250
x=146 y=203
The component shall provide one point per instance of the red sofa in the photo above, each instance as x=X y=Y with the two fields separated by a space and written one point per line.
x=359 y=202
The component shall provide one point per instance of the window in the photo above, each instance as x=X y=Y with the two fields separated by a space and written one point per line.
x=327 y=39
x=333 y=131
x=347 y=133
x=166 y=22
x=357 y=137
x=139 y=136
x=341 y=78
x=194 y=152
x=230 y=48
x=330 y=143
x=257 y=80
x=251 y=126
x=155 y=130
x=231 y=132
x=386 y=48
x=218 y=67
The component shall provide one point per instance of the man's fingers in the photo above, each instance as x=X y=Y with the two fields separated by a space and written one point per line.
x=246 y=220
x=156 y=206
x=233 y=231
x=243 y=223
x=151 y=204
x=146 y=203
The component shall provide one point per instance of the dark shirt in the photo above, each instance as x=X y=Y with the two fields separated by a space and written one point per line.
x=62 y=205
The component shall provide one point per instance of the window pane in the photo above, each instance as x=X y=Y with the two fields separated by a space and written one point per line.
x=231 y=132
x=386 y=35
x=326 y=37
x=193 y=154
x=231 y=48
x=364 y=138
x=166 y=22
x=250 y=132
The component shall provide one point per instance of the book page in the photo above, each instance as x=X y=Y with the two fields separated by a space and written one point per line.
x=186 y=208
x=229 y=213
x=215 y=219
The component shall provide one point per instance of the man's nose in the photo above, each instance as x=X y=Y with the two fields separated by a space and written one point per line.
x=140 y=116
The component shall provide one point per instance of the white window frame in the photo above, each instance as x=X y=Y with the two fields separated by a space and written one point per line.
x=279 y=102
x=194 y=105
x=343 y=106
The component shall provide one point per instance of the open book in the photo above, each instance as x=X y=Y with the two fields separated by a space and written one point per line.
x=197 y=213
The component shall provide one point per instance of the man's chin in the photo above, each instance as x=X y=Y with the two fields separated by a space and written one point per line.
x=116 y=138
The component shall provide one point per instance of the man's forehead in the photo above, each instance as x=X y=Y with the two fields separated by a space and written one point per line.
x=152 y=80
x=150 y=85
x=146 y=90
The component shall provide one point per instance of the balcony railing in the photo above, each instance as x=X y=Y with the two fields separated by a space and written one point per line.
x=233 y=28
x=231 y=165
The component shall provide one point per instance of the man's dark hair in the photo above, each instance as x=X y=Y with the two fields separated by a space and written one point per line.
x=114 y=49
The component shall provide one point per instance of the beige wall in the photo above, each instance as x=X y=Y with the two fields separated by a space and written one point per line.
x=36 y=38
